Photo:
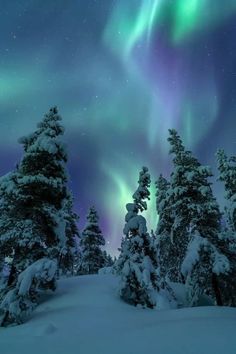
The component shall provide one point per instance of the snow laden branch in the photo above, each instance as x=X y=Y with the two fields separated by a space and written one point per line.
x=20 y=301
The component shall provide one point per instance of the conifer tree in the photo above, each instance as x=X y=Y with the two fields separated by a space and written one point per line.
x=44 y=178
x=92 y=257
x=2 y=279
x=166 y=251
x=69 y=250
x=123 y=256
x=108 y=261
x=227 y=280
x=227 y=169
x=178 y=198
x=196 y=223
x=204 y=267
x=35 y=220
x=19 y=236
x=137 y=261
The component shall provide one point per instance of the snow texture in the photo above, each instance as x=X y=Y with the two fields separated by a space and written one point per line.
x=85 y=316
x=43 y=270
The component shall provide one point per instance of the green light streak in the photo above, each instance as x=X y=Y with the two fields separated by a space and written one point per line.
x=195 y=16
x=188 y=16
x=13 y=85
x=153 y=17
x=129 y=24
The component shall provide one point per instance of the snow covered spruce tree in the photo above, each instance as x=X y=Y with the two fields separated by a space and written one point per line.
x=108 y=261
x=123 y=256
x=92 y=257
x=35 y=219
x=137 y=261
x=5 y=248
x=2 y=277
x=69 y=252
x=196 y=225
x=178 y=206
x=18 y=233
x=165 y=251
x=227 y=169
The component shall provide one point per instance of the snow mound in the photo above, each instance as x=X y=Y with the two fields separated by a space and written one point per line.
x=47 y=329
x=105 y=270
x=87 y=316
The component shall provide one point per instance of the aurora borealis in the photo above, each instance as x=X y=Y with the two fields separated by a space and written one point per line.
x=121 y=73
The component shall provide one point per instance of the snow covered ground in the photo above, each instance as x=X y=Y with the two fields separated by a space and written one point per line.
x=85 y=316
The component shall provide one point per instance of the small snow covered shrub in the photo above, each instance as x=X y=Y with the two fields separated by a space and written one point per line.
x=20 y=301
x=202 y=266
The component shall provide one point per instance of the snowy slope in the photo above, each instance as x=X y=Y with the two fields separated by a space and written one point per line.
x=85 y=316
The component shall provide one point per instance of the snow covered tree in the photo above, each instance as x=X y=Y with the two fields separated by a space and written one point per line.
x=20 y=301
x=123 y=256
x=92 y=258
x=6 y=222
x=203 y=267
x=194 y=210
x=108 y=261
x=43 y=180
x=227 y=280
x=137 y=261
x=2 y=277
x=69 y=250
x=36 y=220
x=19 y=235
x=165 y=250
x=178 y=199
x=227 y=169
x=139 y=197
x=33 y=195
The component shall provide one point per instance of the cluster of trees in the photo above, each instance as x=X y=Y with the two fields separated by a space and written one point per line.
x=39 y=234
x=38 y=227
x=190 y=245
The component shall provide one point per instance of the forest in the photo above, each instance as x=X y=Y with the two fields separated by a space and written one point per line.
x=194 y=243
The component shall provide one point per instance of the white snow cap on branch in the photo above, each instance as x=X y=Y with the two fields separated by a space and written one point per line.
x=42 y=270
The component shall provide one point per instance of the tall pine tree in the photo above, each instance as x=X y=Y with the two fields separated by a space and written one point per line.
x=196 y=224
x=166 y=251
x=227 y=170
x=137 y=261
x=92 y=258
x=69 y=250
x=34 y=220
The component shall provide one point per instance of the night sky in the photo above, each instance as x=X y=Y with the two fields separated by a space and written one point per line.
x=121 y=73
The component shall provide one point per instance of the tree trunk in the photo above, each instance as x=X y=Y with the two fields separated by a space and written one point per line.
x=216 y=289
x=12 y=275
